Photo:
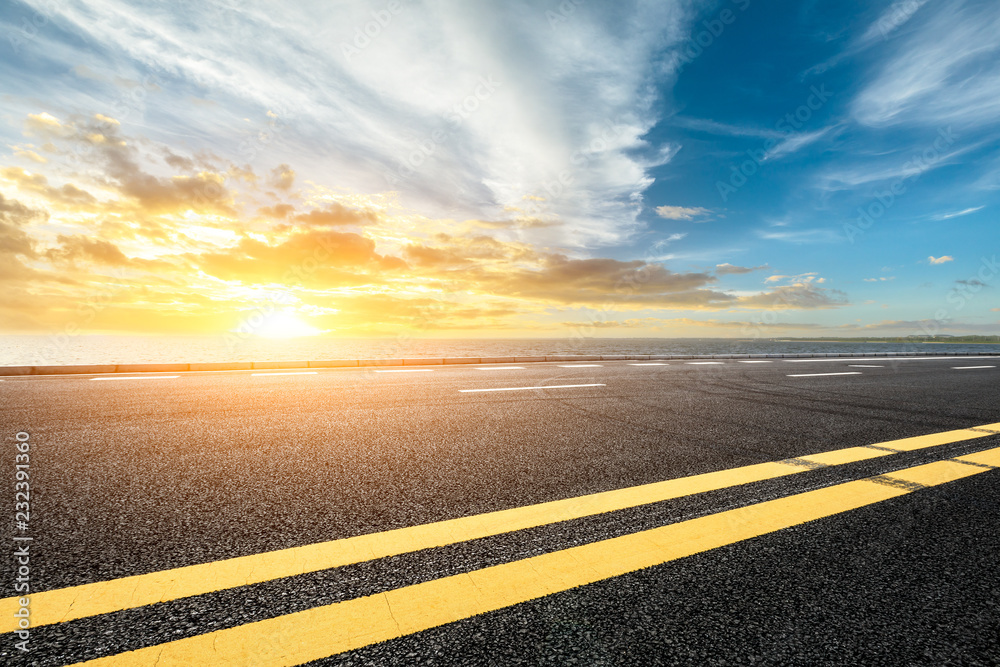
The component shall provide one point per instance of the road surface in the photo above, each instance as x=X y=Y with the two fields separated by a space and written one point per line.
x=824 y=511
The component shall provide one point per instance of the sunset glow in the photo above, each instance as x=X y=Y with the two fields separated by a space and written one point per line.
x=489 y=171
x=285 y=325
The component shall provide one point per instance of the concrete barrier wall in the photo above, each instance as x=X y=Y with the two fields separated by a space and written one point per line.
x=334 y=363
x=223 y=366
x=356 y=363
x=59 y=370
x=279 y=364
x=380 y=362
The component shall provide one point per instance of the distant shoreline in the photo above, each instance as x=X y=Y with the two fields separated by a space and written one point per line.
x=104 y=350
x=886 y=342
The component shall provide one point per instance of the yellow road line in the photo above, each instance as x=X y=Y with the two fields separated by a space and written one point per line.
x=344 y=626
x=67 y=604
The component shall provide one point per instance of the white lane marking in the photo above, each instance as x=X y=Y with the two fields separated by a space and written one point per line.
x=654 y=363
x=878 y=358
x=864 y=366
x=701 y=363
x=141 y=377
x=754 y=361
x=284 y=373
x=409 y=370
x=500 y=368
x=579 y=365
x=969 y=368
x=813 y=375
x=551 y=386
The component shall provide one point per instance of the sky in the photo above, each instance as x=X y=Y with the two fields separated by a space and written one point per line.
x=736 y=168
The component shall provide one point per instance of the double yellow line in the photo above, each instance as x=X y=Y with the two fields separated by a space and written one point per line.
x=323 y=631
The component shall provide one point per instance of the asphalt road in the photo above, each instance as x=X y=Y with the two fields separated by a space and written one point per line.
x=135 y=476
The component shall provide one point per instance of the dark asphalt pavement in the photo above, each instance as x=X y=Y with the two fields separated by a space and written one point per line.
x=136 y=476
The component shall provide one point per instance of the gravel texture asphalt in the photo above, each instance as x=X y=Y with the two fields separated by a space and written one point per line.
x=137 y=476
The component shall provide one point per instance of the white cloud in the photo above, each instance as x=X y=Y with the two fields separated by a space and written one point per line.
x=893 y=18
x=681 y=212
x=889 y=21
x=802 y=277
x=795 y=142
x=471 y=107
x=946 y=72
x=820 y=235
x=899 y=166
x=726 y=129
x=957 y=214
x=662 y=245
x=940 y=260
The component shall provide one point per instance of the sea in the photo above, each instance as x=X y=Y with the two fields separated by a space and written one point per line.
x=61 y=349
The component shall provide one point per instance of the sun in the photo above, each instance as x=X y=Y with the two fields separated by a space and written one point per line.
x=284 y=324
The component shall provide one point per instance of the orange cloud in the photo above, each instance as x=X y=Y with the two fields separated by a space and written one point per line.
x=283 y=177
x=14 y=240
x=179 y=242
x=66 y=196
x=315 y=258
x=334 y=215
x=75 y=248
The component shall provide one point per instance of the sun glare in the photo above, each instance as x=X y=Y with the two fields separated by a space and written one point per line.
x=285 y=325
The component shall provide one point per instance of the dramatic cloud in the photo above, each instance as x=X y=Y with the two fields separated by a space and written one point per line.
x=477 y=167
x=500 y=103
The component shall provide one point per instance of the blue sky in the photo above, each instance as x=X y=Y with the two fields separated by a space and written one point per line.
x=677 y=168
x=881 y=67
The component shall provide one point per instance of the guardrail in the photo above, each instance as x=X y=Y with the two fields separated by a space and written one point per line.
x=437 y=361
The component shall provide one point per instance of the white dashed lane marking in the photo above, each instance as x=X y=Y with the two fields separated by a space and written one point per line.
x=880 y=359
x=813 y=375
x=285 y=373
x=551 y=386
x=408 y=370
x=140 y=377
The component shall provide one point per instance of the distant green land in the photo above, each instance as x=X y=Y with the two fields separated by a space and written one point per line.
x=965 y=340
